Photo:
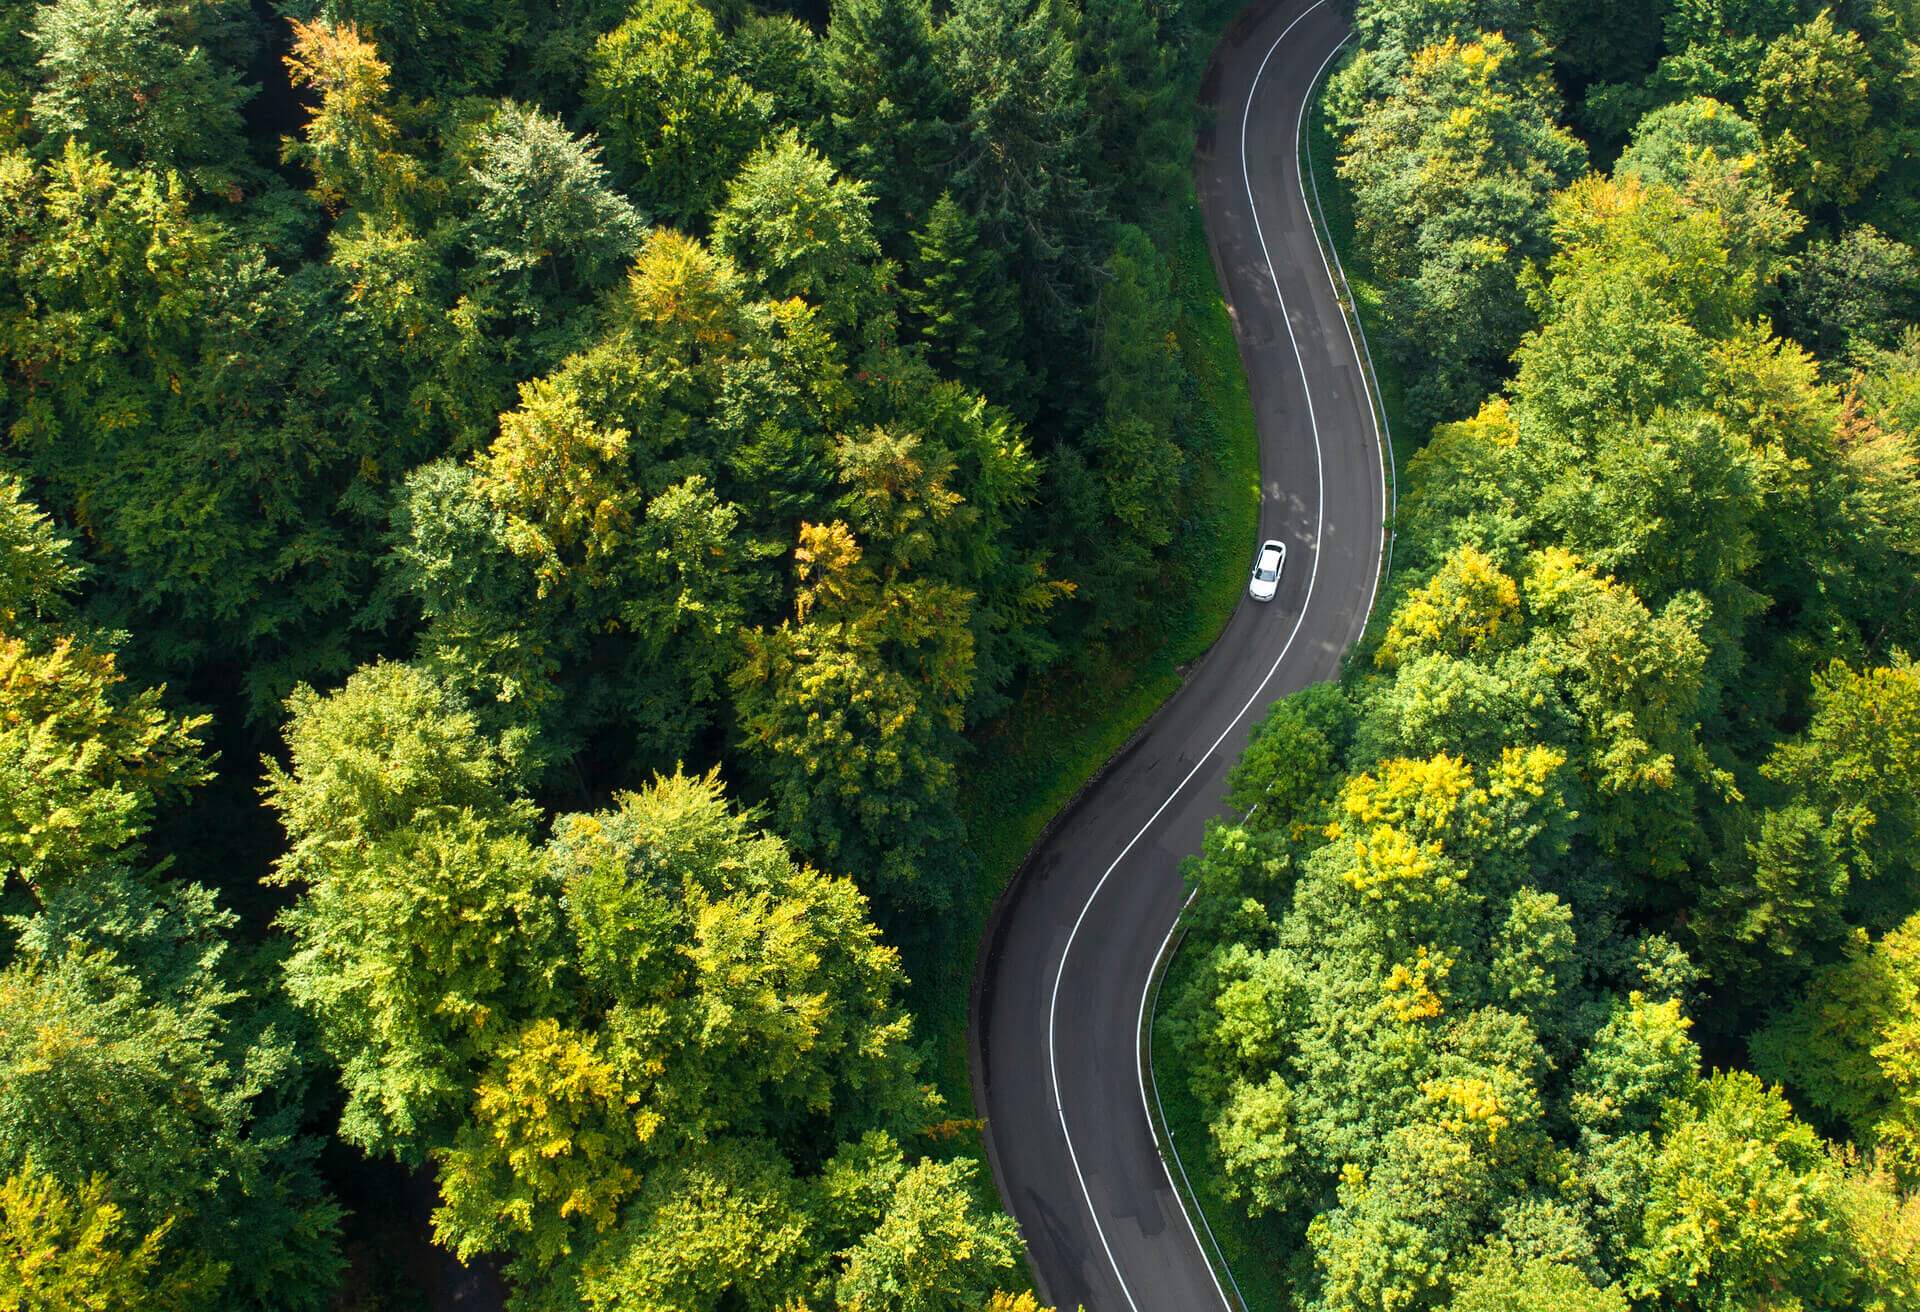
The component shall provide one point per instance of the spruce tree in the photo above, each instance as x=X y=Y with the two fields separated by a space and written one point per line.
x=1142 y=132
x=1021 y=170
x=962 y=304
x=890 y=107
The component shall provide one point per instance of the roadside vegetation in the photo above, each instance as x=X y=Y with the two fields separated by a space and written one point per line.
x=1567 y=959
x=553 y=558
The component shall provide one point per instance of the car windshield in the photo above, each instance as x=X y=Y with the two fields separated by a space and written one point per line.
x=1266 y=575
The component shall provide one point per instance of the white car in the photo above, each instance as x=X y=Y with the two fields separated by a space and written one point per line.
x=1266 y=570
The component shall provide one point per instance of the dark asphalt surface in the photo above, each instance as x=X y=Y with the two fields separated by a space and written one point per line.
x=1066 y=960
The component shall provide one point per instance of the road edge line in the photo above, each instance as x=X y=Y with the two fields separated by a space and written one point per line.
x=1350 y=313
x=1188 y=1196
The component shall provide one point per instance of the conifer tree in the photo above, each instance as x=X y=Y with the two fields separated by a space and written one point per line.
x=962 y=303
x=890 y=107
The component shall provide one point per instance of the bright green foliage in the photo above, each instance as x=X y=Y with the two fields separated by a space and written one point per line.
x=427 y=920
x=1639 y=691
x=722 y=1227
x=578 y=568
x=797 y=230
x=1638 y=1061
x=1254 y=1136
x=84 y=764
x=464 y=402
x=1889 y=385
x=694 y=600
x=1390 y=34
x=471 y=471
x=1810 y=101
x=1678 y=142
x=1464 y=113
x=1448 y=172
x=1739 y=1205
x=116 y=76
x=350 y=142
x=1286 y=770
x=553 y=1142
x=849 y=709
x=1847 y=1047
x=1500 y=1282
x=933 y=1250
x=126 y=1051
x=389 y=751
x=1844 y=841
x=38 y=573
x=676 y=122
x=718 y=993
x=69 y=1251
x=1369 y=1012
x=1859 y=761
x=1713 y=158
x=779 y=989
x=148 y=1107
x=1883 y=1231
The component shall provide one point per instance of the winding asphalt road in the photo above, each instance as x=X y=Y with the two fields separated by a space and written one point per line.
x=1062 y=975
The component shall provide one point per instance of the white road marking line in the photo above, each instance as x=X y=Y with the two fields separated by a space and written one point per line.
x=1053 y=1005
x=1140 y=1028
x=1359 y=360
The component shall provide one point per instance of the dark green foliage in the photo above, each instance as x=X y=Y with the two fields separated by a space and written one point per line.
x=799 y=442
x=545 y=229
x=1024 y=135
x=131 y=80
x=891 y=116
x=1140 y=125
x=1858 y=290
x=1603 y=41
x=145 y=1064
x=962 y=303
x=1715 y=47
x=443 y=47
x=512 y=404
x=780 y=56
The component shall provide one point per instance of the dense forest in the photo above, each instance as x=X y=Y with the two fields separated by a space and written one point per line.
x=514 y=518
x=1567 y=952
